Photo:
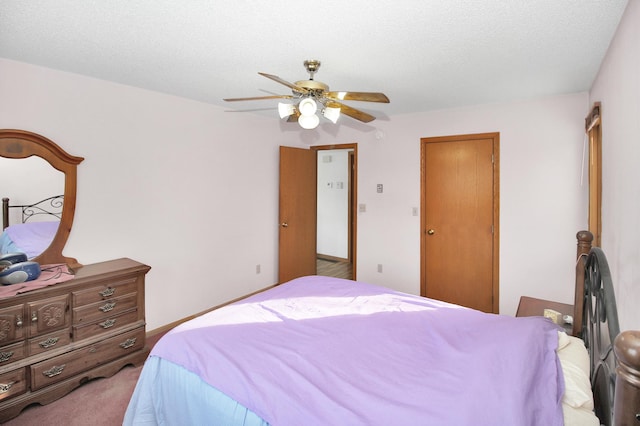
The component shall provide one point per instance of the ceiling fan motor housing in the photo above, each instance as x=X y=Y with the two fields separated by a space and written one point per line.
x=314 y=88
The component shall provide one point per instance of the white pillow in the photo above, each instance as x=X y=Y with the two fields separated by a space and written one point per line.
x=574 y=360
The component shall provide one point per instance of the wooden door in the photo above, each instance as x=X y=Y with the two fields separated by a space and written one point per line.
x=297 y=236
x=459 y=244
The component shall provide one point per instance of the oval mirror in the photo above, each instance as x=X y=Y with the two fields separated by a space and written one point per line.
x=59 y=200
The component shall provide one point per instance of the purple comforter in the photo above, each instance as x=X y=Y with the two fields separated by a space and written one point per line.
x=326 y=351
x=34 y=237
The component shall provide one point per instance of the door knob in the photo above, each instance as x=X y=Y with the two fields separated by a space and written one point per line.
x=431 y=231
x=284 y=224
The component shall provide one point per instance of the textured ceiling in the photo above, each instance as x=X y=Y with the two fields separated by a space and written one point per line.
x=423 y=54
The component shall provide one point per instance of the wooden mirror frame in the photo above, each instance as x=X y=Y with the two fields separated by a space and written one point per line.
x=24 y=144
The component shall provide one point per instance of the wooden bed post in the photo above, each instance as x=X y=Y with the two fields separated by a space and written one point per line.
x=627 y=394
x=584 y=246
x=5 y=213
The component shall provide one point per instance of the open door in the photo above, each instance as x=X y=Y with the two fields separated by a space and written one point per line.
x=297 y=236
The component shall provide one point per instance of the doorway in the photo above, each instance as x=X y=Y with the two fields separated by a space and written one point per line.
x=298 y=235
x=460 y=218
x=335 y=223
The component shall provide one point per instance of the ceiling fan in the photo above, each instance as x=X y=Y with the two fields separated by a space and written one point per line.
x=312 y=96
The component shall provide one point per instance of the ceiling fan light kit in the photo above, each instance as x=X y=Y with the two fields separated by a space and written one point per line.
x=307 y=106
x=310 y=93
x=308 y=122
x=286 y=110
x=331 y=114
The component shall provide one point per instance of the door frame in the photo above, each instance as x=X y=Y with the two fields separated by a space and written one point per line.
x=495 y=137
x=353 y=196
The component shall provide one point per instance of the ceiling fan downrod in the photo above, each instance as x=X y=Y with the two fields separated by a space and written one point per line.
x=312 y=66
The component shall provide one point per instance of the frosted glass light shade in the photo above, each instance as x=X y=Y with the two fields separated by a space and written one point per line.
x=308 y=121
x=285 y=110
x=307 y=107
x=331 y=114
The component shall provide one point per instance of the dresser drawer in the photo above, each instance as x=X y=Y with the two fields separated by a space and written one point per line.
x=12 y=383
x=103 y=309
x=110 y=323
x=105 y=291
x=49 y=341
x=64 y=366
x=12 y=353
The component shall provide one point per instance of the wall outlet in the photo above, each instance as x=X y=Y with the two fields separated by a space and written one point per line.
x=380 y=267
x=257 y=268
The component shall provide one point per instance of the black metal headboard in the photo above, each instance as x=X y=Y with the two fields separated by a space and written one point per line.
x=51 y=206
x=599 y=329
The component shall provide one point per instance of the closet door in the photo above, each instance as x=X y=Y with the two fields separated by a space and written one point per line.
x=460 y=220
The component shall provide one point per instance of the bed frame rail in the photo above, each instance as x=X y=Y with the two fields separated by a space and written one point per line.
x=51 y=206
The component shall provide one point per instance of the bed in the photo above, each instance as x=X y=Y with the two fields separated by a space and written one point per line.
x=329 y=351
x=36 y=228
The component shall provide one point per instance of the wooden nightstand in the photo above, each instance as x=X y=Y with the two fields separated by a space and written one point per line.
x=531 y=307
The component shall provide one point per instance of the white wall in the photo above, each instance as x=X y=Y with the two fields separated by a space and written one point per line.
x=192 y=190
x=333 y=203
x=617 y=87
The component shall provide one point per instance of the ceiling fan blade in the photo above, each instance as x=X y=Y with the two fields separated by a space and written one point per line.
x=358 y=96
x=351 y=112
x=258 y=98
x=286 y=83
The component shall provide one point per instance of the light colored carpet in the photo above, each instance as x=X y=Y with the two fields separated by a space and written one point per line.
x=99 y=402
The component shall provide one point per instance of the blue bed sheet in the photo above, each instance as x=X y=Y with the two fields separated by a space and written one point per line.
x=7 y=245
x=161 y=380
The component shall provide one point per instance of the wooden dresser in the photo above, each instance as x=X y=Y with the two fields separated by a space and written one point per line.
x=56 y=338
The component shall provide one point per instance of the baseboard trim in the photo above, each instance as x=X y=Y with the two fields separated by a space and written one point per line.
x=331 y=258
x=174 y=324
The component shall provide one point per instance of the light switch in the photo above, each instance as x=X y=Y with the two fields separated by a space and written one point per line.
x=379 y=188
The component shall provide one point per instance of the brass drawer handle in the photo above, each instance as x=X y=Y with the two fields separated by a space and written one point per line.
x=18 y=320
x=51 y=341
x=5 y=387
x=107 y=306
x=108 y=323
x=109 y=291
x=4 y=356
x=54 y=371
x=128 y=343
x=34 y=317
